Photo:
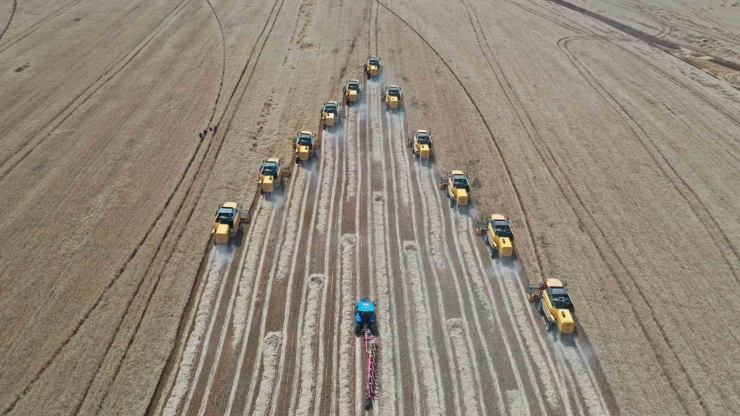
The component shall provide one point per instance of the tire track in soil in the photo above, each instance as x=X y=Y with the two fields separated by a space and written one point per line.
x=262 y=299
x=266 y=255
x=493 y=139
x=249 y=271
x=308 y=338
x=127 y=262
x=457 y=269
x=460 y=225
x=450 y=400
x=405 y=229
x=594 y=402
x=511 y=283
x=331 y=237
x=333 y=269
x=423 y=331
x=270 y=359
x=10 y=19
x=209 y=168
x=53 y=15
x=257 y=224
x=693 y=200
x=387 y=264
x=408 y=356
x=457 y=330
x=346 y=240
x=294 y=323
x=347 y=336
x=212 y=280
x=206 y=176
x=8 y=165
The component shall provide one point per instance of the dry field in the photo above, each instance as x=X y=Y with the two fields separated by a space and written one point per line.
x=609 y=131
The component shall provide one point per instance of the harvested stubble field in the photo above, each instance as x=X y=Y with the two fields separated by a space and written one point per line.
x=607 y=130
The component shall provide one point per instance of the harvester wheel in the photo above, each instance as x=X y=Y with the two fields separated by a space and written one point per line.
x=262 y=191
x=374 y=329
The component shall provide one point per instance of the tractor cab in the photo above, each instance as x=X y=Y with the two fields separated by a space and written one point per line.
x=365 y=317
x=270 y=168
x=351 y=91
x=303 y=144
x=372 y=67
x=559 y=298
x=330 y=113
x=393 y=97
x=225 y=215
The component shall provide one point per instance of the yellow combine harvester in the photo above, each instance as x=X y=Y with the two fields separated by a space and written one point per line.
x=421 y=144
x=305 y=146
x=457 y=186
x=554 y=304
x=351 y=91
x=228 y=222
x=393 y=97
x=330 y=114
x=272 y=172
x=498 y=235
x=372 y=66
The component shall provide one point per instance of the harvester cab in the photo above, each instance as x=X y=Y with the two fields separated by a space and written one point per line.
x=457 y=186
x=393 y=97
x=372 y=67
x=272 y=173
x=330 y=114
x=305 y=145
x=228 y=222
x=554 y=303
x=365 y=317
x=351 y=91
x=421 y=144
x=498 y=235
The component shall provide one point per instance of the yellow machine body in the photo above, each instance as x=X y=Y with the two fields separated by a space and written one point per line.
x=459 y=190
x=351 y=91
x=422 y=144
x=499 y=236
x=227 y=222
x=304 y=145
x=272 y=173
x=372 y=66
x=393 y=97
x=554 y=304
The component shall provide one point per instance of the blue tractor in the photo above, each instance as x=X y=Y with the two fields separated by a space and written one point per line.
x=365 y=317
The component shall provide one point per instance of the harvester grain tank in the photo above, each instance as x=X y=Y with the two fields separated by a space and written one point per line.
x=421 y=144
x=499 y=238
x=272 y=174
x=457 y=187
x=305 y=146
x=351 y=91
x=372 y=66
x=330 y=114
x=228 y=222
x=554 y=303
x=393 y=97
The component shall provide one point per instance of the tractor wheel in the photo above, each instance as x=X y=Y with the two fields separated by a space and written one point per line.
x=374 y=329
x=358 y=329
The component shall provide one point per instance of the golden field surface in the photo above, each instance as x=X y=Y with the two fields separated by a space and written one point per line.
x=607 y=131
